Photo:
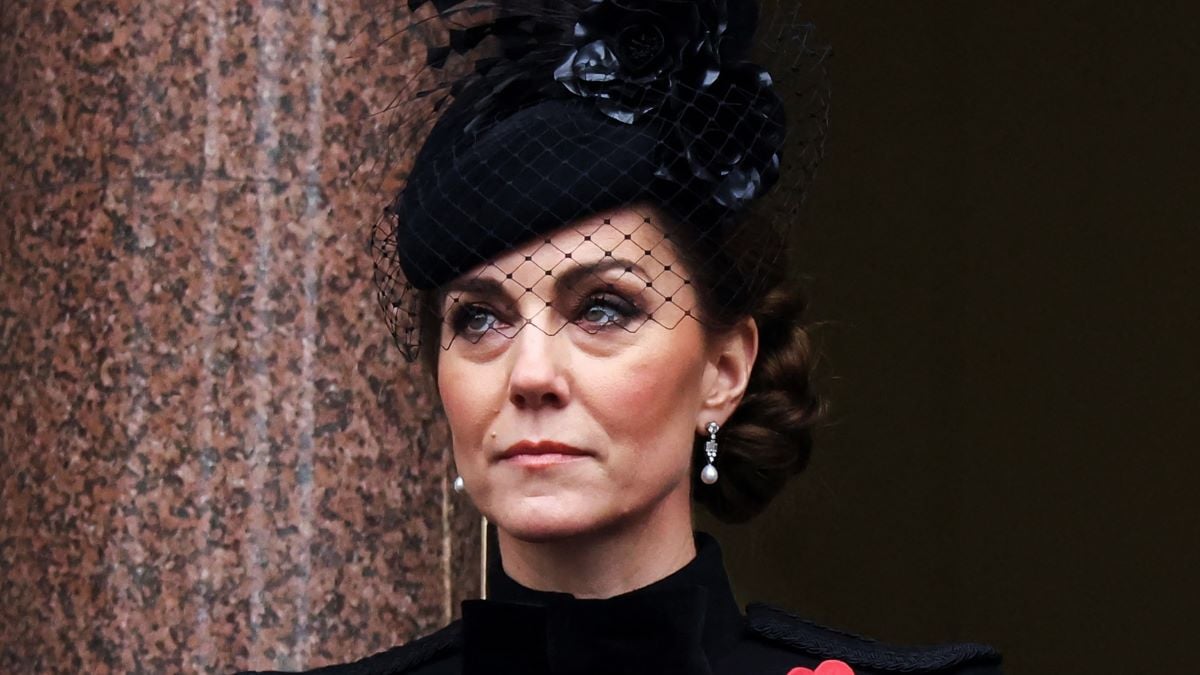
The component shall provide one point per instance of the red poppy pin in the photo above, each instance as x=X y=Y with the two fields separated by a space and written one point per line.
x=826 y=668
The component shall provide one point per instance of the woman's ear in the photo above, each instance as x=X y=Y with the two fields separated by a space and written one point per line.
x=730 y=361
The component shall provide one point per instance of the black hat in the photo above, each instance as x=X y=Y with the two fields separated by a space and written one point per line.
x=575 y=107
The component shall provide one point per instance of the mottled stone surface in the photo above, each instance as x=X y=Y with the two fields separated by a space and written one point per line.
x=211 y=455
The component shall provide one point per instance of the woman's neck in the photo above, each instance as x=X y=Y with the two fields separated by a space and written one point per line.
x=603 y=564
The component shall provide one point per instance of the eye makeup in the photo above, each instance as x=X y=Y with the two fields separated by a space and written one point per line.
x=596 y=297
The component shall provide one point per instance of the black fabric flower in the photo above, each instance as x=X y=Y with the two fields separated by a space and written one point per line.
x=630 y=55
x=728 y=137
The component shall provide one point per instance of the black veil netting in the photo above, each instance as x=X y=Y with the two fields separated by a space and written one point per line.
x=579 y=162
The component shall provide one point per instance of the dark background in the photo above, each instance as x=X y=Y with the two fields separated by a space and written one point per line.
x=1004 y=245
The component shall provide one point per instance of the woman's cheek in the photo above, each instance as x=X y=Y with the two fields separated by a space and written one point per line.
x=646 y=401
x=466 y=407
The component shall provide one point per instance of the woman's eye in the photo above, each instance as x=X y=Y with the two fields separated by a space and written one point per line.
x=606 y=310
x=480 y=321
x=600 y=314
x=473 y=320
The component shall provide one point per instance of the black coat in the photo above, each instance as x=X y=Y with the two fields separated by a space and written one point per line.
x=685 y=624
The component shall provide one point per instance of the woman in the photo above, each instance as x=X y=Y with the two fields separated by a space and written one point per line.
x=583 y=257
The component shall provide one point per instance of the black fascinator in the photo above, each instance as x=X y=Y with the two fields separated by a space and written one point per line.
x=531 y=116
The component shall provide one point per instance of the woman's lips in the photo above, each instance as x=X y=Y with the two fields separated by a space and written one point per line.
x=541 y=453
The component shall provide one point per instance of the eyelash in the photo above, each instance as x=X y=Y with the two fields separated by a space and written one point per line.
x=464 y=313
x=623 y=311
x=619 y=312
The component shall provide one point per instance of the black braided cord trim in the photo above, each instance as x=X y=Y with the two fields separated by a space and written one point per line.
x=778 y=625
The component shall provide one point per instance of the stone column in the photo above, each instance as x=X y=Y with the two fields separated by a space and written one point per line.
x=211 y=455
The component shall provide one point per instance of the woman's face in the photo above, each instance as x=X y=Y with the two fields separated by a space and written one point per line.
x=575 y=379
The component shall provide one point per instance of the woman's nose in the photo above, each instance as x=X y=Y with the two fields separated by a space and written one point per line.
x=538 y=377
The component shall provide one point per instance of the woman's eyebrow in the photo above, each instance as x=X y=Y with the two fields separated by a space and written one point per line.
x=487 y=287
x=483 y=286
x=577 y=275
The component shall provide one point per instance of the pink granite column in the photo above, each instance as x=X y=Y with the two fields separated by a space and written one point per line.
x=211 y=456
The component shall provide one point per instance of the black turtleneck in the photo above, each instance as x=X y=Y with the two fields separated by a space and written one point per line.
x=681 y=624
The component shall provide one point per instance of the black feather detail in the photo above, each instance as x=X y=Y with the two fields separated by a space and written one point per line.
x=435 y=57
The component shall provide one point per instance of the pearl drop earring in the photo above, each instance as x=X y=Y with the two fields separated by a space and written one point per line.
x=709 y=474
x=459 y=484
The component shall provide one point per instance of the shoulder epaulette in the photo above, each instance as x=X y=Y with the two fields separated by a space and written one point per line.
x=404 y=658
x=782 y=627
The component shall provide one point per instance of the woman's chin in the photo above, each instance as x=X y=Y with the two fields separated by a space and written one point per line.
x=544 y=519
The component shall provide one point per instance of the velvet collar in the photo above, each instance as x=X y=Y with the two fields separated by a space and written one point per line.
x=675 y=626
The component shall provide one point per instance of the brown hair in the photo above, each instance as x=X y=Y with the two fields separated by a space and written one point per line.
x=769 y=437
